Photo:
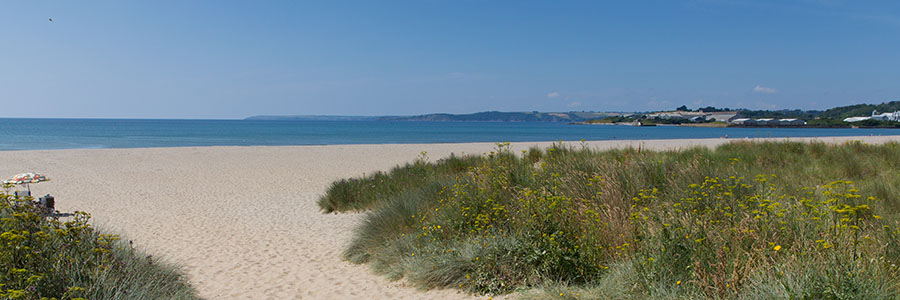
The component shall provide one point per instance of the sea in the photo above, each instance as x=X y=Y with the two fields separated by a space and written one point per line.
x=42 y=134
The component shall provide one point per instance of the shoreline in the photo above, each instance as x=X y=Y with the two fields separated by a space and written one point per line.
x=243 y=221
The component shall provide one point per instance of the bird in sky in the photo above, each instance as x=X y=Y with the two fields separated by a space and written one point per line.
x=51 y=20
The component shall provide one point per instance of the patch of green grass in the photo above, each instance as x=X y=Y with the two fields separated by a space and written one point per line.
x=360 y=194
x=745 y=219
x=42 y=257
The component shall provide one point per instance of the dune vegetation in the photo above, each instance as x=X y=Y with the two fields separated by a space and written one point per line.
x=46 y=257
x=744 y=220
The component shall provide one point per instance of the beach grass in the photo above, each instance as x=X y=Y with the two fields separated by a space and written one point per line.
x=361 y=194
x=743 y=220
x=45 y=257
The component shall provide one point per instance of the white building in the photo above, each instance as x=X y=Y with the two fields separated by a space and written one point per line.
x=765 y=121
x=894 y=116
x=856 y=119
x=769 y=122
x=675 y=114
x=742 y=121
x=795 y=122
x=721 y=116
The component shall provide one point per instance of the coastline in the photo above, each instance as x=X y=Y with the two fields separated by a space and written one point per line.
x=243 y=220
x=132 y=134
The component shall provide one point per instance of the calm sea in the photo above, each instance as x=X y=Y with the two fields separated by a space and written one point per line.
x=30 y=134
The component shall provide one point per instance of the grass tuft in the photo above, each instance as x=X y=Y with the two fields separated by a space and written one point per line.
x=779 y=219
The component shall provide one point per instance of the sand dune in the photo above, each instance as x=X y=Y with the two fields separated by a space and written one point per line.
x=243 y=220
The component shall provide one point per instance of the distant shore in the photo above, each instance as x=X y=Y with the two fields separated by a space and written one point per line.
x=725 y=125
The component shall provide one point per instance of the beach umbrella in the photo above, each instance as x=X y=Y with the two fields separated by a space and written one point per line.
x=26 y=178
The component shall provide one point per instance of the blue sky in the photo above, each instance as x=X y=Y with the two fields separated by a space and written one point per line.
x=232 y=59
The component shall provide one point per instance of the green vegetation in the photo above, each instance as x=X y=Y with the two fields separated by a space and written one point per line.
x=780 y=114
x=746 y=220
x=613 y=119
x=829 y=118
x=860 y=110
x=877 y=124
x=46 y=258
x=703 y=109
x=360 y=194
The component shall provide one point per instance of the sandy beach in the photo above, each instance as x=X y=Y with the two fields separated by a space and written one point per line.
x=243 y=221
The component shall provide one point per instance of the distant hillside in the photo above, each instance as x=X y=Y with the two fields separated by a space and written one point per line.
x=496 y=116
x=780 y=114
x=311 y=118
x=860 y=110
x=837 y=113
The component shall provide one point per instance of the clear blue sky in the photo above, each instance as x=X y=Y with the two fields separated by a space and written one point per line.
x=232 y=59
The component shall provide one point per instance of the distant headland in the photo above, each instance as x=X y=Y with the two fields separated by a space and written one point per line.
x=487 y=116
x=884 y=115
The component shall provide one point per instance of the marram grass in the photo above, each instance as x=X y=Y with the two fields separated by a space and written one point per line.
x=745 y=220
x=48 y=258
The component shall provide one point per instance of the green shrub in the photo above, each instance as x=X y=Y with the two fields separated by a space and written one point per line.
x=43 y=257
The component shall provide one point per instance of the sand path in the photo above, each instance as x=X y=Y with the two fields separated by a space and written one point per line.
x=243 y=220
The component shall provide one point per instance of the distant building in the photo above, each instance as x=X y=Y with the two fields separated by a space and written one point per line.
x=694 y=116
x=742 y=121
x=894 y=117
x=768 y=122
x=721 y=116
x=856 y=119
x=675 y=114
x=791 y=122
